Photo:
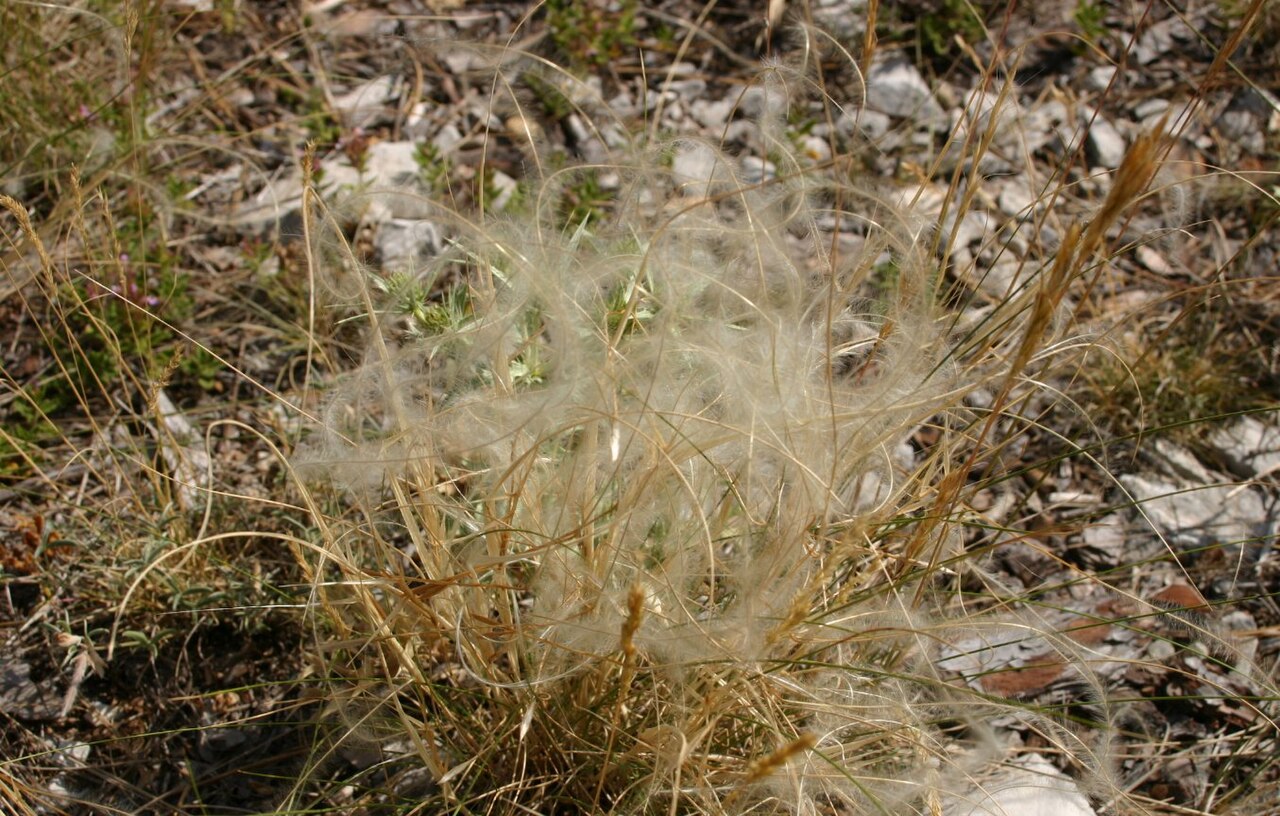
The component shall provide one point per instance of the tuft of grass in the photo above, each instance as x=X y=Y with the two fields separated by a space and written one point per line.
x=636 y=488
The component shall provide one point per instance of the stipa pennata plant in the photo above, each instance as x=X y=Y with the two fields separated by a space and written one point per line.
x=634 y=527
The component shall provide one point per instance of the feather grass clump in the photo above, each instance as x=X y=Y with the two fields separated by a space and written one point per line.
x=633 y=529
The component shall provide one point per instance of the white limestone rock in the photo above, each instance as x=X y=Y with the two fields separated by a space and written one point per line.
x=897 y=88
x=1028 y=786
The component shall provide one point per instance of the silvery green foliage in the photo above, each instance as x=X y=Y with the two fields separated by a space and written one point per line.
x=678 y=398
x=692 y=397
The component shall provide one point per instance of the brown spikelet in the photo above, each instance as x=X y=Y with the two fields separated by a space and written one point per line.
x=635 y=613
x=798 y=610
x=1052 y=289
x=765 y=766
x=1133 y=177
x=869 y=40
x=1132 y=180
x=19 y=212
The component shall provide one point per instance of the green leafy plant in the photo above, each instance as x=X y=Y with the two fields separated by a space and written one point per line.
x=583 y=200
x=555 y=104
x=1091 y=17
x=937 y=28
x=592 y=32
x=433 y=168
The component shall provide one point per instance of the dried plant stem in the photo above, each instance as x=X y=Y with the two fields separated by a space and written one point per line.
x=630 y=626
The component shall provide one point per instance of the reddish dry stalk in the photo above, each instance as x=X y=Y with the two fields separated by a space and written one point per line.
x=1132 y=180
x=869 y=39
x=635 y=614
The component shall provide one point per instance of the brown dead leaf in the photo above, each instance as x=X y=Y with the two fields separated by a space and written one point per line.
x=1025 y=681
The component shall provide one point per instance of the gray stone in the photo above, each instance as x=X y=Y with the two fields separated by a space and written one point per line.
x=505 y=186
x=365 y=104
x=215 y=743
x=1001 y=278
x=390 y=179
x=981 y=107
x=1099 y=79
x=992 y=647
x=1016 y=200
x=241 y=98
x=815 y=148
x=1046 y=124
x=1152 y=260
x=1010 y=242
x=687 y=89
x=970 y=122
x=180 y=447
x=1150 y=107
x=895 y=87
x=24 y=698
x=1181 y=463
x=871 y=124
x=1242 y=128
x=1160 y=39
x=668 y=103
x=1108 y=537
x=760 y=101
x=461 y=61
x=1109 y=542
x=845 y=19
x=742 y=133
x=416 y=783
x=756 y=170
x=694 y=166
x=679 y=69
x=392 y=164
x=404 y=244
x=1250 y=447
x=1104 y=145
x=624 y=104
x=712 y=114
x=1192 y=516
x=1048 y=239
x=974 y=228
